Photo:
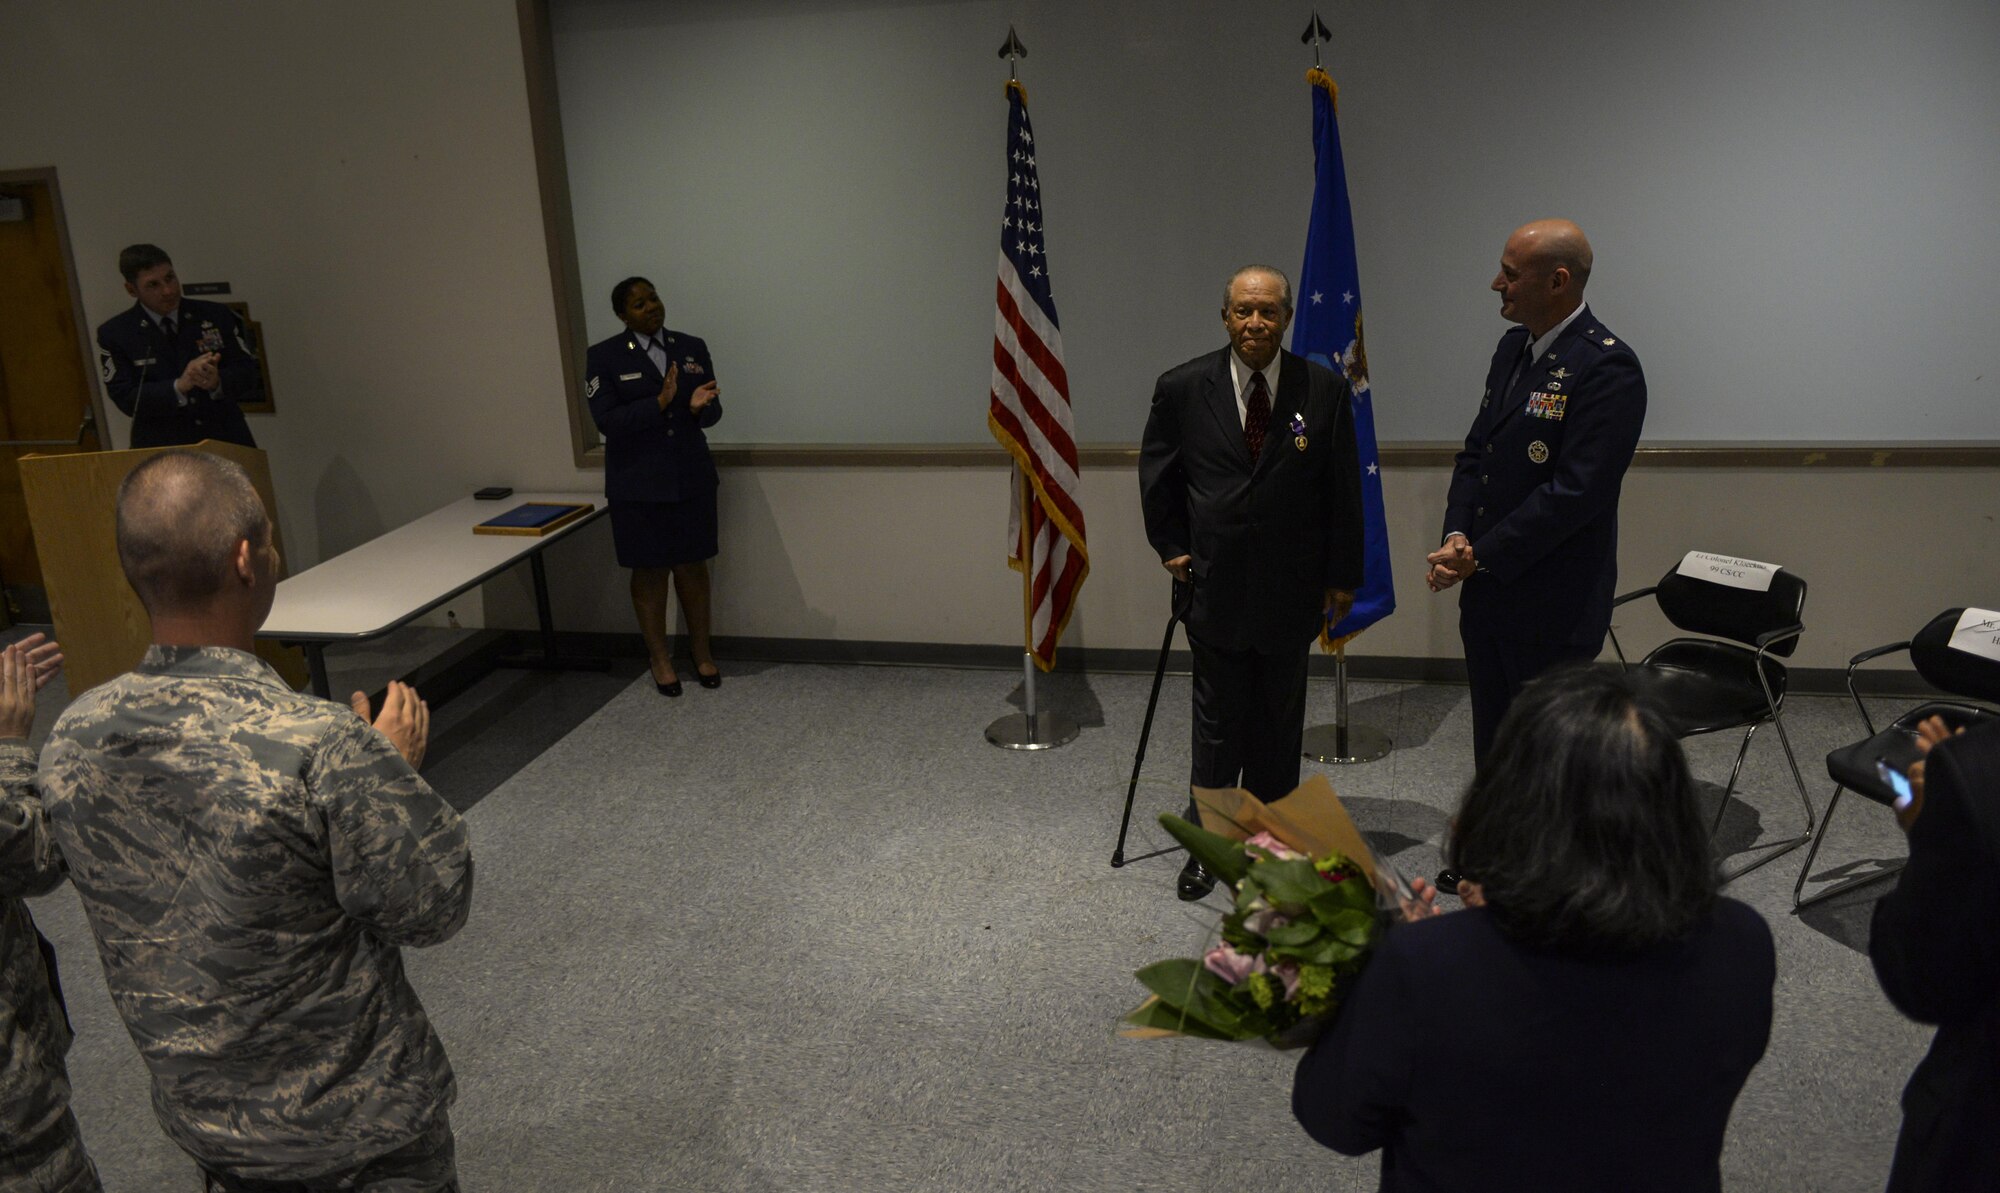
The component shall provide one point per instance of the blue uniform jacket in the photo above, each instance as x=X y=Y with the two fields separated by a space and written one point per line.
x=1272 y=536
x=140 y=364
x=651 y=454
x=1536 y=486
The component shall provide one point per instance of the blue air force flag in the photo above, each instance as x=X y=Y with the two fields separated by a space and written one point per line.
x=1327 y=329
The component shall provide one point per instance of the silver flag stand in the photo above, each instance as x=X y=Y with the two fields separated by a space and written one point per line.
x=1341 y=742
x=1034 y=729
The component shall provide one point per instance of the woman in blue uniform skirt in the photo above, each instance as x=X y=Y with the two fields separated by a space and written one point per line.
x=651 y=393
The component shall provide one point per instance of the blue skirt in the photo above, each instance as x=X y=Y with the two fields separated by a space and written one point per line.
x=658 y=534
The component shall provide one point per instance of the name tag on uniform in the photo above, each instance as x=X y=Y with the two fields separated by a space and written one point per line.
x=630 y=376
x=1727 y=569
x=1549 y=406
x=147 y=360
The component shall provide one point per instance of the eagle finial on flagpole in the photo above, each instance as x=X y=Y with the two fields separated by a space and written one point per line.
x=1012 y=49
x=1315 y=33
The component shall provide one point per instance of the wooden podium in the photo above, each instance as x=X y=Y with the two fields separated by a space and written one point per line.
x=73 y=511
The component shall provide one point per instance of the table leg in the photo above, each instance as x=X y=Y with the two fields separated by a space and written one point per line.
x=549 y=659
x=316 y=664
x=548 y=621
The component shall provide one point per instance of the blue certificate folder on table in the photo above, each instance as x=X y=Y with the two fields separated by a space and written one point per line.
x=532 y=517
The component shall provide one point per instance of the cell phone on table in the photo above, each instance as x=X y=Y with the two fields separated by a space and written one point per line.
x=1898 y=782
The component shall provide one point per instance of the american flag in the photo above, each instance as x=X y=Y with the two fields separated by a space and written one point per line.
x=1029 y=412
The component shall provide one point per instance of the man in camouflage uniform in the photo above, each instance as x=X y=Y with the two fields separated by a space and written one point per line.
x=41 y=1150
x=250 y=860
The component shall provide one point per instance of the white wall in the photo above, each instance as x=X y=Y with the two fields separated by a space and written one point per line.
x=363 y=174
x=1790 y=201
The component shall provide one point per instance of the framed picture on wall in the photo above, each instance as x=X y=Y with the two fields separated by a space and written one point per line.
x=256 y=330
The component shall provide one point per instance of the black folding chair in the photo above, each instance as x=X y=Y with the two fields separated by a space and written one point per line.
x=1731 y=677
x=1852 y=767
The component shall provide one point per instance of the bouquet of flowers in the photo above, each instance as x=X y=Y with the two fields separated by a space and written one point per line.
x=1308 y=911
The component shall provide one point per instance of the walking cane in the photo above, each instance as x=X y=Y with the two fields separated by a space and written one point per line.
x=1183 y=597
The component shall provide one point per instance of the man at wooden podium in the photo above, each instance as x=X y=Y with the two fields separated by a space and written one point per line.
x=251 y=860
x=180 y=367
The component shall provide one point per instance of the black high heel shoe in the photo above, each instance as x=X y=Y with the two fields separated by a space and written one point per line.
x=710 y=682
x=669 y=689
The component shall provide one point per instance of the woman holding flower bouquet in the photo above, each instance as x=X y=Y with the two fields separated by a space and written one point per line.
x=1588 y=1021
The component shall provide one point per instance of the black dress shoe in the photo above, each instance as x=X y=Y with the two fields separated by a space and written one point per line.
x=710 y=682
x=668 y=689
x=1194 y=883
x=1448 y=880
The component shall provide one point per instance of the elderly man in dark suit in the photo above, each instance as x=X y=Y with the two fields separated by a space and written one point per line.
x=1937 y=954
x=1252 y=492
x=1531 y=523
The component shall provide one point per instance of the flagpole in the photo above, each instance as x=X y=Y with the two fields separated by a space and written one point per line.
x=1342 y=742
x=1032 y=728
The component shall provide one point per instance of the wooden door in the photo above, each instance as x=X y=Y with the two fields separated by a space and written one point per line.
x=45 y=386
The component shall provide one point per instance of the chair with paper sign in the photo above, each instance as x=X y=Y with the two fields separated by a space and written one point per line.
x=1958 y=653
x=1747 y=614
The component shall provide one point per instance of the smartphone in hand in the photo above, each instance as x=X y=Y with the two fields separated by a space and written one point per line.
x=1898 y=782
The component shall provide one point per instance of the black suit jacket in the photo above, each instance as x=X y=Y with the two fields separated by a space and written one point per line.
x=140 y=364
x=1271 y=538
x=1536 y=486
x=1935 y=942
x=651 y=454
x=1475 y=1064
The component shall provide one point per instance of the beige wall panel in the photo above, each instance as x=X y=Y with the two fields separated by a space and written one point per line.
x=916 y=555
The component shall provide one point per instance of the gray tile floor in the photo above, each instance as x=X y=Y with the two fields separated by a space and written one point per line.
x=809 y=932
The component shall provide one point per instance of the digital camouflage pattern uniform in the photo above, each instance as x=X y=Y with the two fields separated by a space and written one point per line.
x=250 y=859
x=41 y=1150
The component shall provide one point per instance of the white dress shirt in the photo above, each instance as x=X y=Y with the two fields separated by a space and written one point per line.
x=1240 y=374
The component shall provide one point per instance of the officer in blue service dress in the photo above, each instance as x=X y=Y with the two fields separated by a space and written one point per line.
x=1531 y=522
x=651 y=392
x=179 y=367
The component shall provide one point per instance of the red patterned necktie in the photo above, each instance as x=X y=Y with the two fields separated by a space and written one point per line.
x=1256 y=415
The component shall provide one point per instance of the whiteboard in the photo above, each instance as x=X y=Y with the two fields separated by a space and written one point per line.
x=1791 y=204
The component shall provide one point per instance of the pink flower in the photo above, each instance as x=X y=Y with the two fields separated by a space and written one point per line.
x=1275 y=847
x=1265 y=921
x=1231 y=966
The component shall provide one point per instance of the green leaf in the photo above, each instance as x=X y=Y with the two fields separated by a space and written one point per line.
x=1289 y=884
x=1157 y=1014
x=1357 y=928
x=1183 y=983
x=1224 y=858
x=1296 y=933
x=1339 y=897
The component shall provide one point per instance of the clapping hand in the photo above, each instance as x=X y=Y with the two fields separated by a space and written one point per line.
x=671 y=386
x=25 y=666
x=201 y=373
x=405 y=720
x=703 y=396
